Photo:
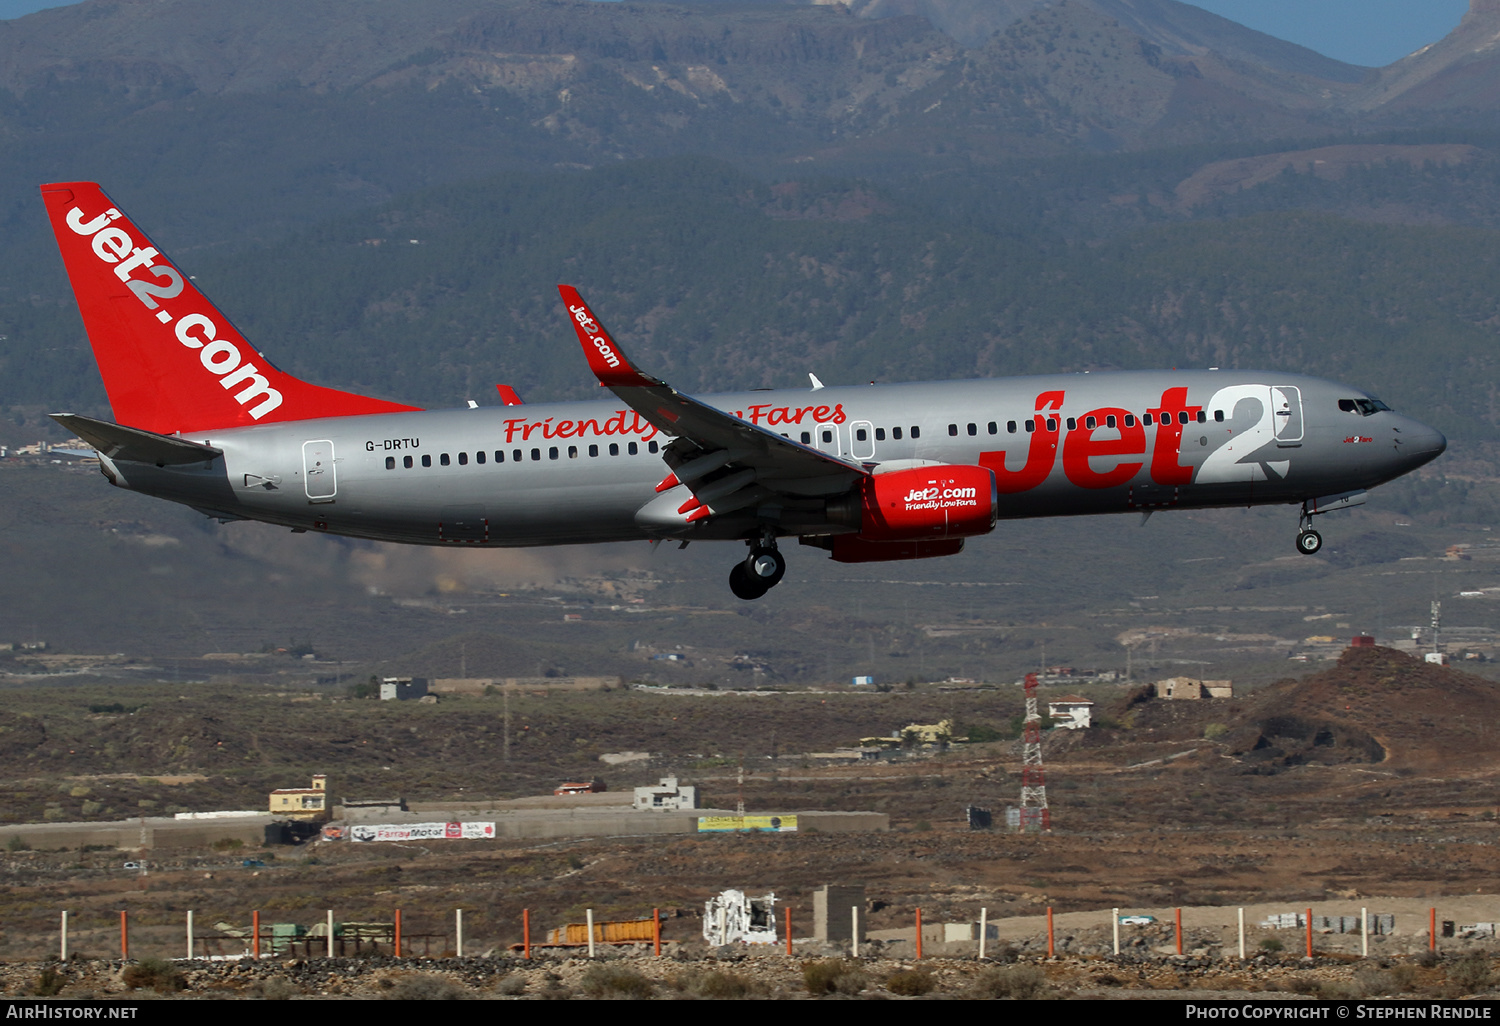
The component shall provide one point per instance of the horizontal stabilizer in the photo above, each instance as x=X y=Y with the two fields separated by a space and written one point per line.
x=119 y=442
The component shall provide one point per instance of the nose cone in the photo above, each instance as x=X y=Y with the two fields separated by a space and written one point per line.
x=1420 y=444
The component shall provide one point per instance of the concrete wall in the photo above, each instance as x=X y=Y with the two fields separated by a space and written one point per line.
x=131 y=835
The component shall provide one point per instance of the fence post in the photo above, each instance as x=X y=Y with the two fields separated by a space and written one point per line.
x=854 y=928
x=526 y=933
x=255 y=931
x=1432 y=929
x=1242 y=933
x=1051 y=947
x=190 y=934
x=983 y=931
x=919 y=933
x=397 y=933
x=458 y=925
x=1177 y=928
x=1309 y=933
x=656 y=931
x=589 y=915
x=1364 y=932
x=63 y=951
x=330 y=932
x=124 y=935
x=1116 y=925
x=786 y=915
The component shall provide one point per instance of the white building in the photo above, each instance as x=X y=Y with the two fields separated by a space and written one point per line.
x=666 y=795
x=1071 y=712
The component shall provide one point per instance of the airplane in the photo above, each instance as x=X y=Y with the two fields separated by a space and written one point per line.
x=867 y=473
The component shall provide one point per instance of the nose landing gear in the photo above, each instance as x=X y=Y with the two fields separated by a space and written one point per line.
x=1308 y=540
x=760 y=571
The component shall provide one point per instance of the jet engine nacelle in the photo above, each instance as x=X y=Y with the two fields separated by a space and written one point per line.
x=928 y=504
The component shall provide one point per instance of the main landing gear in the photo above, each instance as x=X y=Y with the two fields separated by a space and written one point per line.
x=760 y=571
x=1308 y=540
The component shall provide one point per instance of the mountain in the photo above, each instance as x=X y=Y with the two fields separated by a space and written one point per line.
x=1460 y=72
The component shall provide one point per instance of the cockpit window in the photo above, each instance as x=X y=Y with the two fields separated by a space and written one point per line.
x=1363 y=407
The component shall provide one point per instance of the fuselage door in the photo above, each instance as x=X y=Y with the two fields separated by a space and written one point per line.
x=862 y=440
x=1286 y=409
x=320 y=480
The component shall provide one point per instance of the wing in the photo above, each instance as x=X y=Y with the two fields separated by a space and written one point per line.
x=719 y=463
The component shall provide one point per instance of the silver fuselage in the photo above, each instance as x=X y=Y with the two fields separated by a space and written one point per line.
x=567 y=473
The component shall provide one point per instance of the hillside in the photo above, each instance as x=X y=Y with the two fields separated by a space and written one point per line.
x=1378 y=706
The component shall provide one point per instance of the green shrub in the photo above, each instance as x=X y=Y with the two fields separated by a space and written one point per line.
x=910 y=983
x=49 y=984
x=833 y=976
x=1472 y=972
x=603 y=981
x=716 y=984
x=156 y=973
x=1271 y=944
x=1021 y=982
x=17 y=843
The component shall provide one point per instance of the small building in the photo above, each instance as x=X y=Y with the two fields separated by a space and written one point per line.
x=666 y=795
x=402 y=689
x=1071 y=712
x=304 y=803
x=733 y=917
x=580 y=787
x=1191 y=689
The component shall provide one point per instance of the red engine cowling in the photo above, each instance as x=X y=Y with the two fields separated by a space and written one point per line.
x=928 y=504
x=849 y=548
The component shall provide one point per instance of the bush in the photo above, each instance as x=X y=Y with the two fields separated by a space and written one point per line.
x=510 y=986
x=49 y=984
x=426 y=987
x=718 y=985
x=1472 y=972
x=156 y=973
x=833 y=976
x=1373 y=983
x=17 y=843
x=910 y=983
x=1271 y=944
x=1021 y=982
x=616 y=981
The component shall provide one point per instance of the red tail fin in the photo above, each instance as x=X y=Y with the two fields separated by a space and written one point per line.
x=171 y=362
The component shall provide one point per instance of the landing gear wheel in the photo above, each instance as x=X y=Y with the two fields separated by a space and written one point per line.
x=766 y=566
x=1309 y=542
x=743 y=585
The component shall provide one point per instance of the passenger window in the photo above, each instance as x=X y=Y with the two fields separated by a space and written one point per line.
x=390 y=463
x=516 y=455
x=916 y=432
x=593 y=450
x=632 y=448
x=1010 y=427
x=572 y=452
x=896 y=434
x=1130 y=420
x=1090 y=423
x=806 y=438
x=1072 y=424
x=1146 y=420
x=651 y=447
x=1051 y=423
x=479 y=457
x=973 y=430
x=426 y=459
x=463 y=459
x=953 y=429
x=1182 y=417
x=444 y=460
x=861 y=435
x=1219 y=416
x=1109 y=421
x=406 y=462
x=614 y=448
x=499 y=455
x=552 y=452
x=827 y=436
x=995 y=428
x=880 y=434
x=1030 y=426
x=536 y=455
x=1202 y=417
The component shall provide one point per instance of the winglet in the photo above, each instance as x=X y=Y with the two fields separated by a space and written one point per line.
x=508 y=395
x=606 y=360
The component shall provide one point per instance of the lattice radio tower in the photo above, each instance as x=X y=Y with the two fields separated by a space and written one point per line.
x=1034 y=812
